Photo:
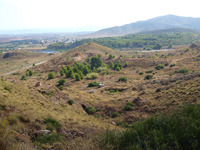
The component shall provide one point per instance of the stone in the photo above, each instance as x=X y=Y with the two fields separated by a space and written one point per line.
x=38 y=84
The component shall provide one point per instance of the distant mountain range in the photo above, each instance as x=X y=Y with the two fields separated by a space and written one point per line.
x=158 y=23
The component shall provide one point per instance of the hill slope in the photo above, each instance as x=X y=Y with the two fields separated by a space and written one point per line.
x=158 y=23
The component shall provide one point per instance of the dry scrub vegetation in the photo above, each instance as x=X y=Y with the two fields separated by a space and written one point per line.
x=146 y=84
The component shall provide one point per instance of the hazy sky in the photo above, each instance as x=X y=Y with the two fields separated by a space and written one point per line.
x=29 y=14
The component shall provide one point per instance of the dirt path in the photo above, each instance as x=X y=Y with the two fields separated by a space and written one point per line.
x=5 y=74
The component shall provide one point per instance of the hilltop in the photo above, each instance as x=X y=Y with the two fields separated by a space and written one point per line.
x=158 y=23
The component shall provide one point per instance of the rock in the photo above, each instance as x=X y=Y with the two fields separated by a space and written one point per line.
x=38 y=84
x=134 y=88
x=114 y=123
x=91 y=91
x=101 y=85
x=45 y=132
x=137 y=100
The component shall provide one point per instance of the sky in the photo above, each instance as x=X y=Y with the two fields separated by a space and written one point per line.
x=92 y=14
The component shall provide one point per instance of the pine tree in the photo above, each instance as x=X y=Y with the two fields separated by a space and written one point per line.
x=78 y=78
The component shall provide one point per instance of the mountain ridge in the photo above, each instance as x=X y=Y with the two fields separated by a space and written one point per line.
x=158 y=23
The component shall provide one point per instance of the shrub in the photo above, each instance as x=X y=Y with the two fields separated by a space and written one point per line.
x=159 y=67
x=166 y=64
x=126 y=64
x=172 y=65
x=130 y=104
x=61 y=87
x=78 y=77
x=184 y=71
x=117 y=69
x=122 y=79
x=115 y=114
x=7 y=88
x=62 y=72
x=92 y=75
x=53 y=122
x=141 y=73
x=24 y=77
x=50 y=139
x=90 y=110
x=149 y=71
x=148 y=77
x=61 y=82
x=111 y=56
x=111 y=65
x=30 y=73
x=70 y=102
x=51 y=75
x=101 y=69
x=128 y=108
x=93 y=84
x=176 y=131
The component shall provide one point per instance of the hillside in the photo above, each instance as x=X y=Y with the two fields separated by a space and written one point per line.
x=158 y=23
x=60 y=104
x=146 y=40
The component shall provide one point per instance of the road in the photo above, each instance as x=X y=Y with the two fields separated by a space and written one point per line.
x=23 y=68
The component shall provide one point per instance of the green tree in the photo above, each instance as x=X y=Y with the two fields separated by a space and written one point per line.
x=96 y=62
x=62 y=72
x=30 y=72
x=61 y=82
x=111 y=65
x=78 y=78
x=126 y=64
x=24 y=77
x=72 y=75
x=51 y=75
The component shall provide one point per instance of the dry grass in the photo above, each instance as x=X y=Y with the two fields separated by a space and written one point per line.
x=25 y=98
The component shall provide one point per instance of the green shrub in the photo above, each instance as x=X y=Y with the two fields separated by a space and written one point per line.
x=93 y=84
x=90 y=110
x=184 y=71
x=111 y=56
x=51 y=75
x=61 y=82
x=115 y=114
x=92 y=75
x=130 y=104
x=166 y=64
x=149 y=71
x=78 y=77
x=148 y=77
x=111 y=65
x=7 y=88
x=70 y=102
x=177 y=131
x=141 y=73
x=101 y=69
x=122 y=79
x=159 y=67
x=62 y=72
x=24 y=77
x=29 y=73
x=117 y=69
x=128 y=108
x=53 y=122
x=172 y=65
x=49 y=139
x=126 y=64
x=61 y=87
